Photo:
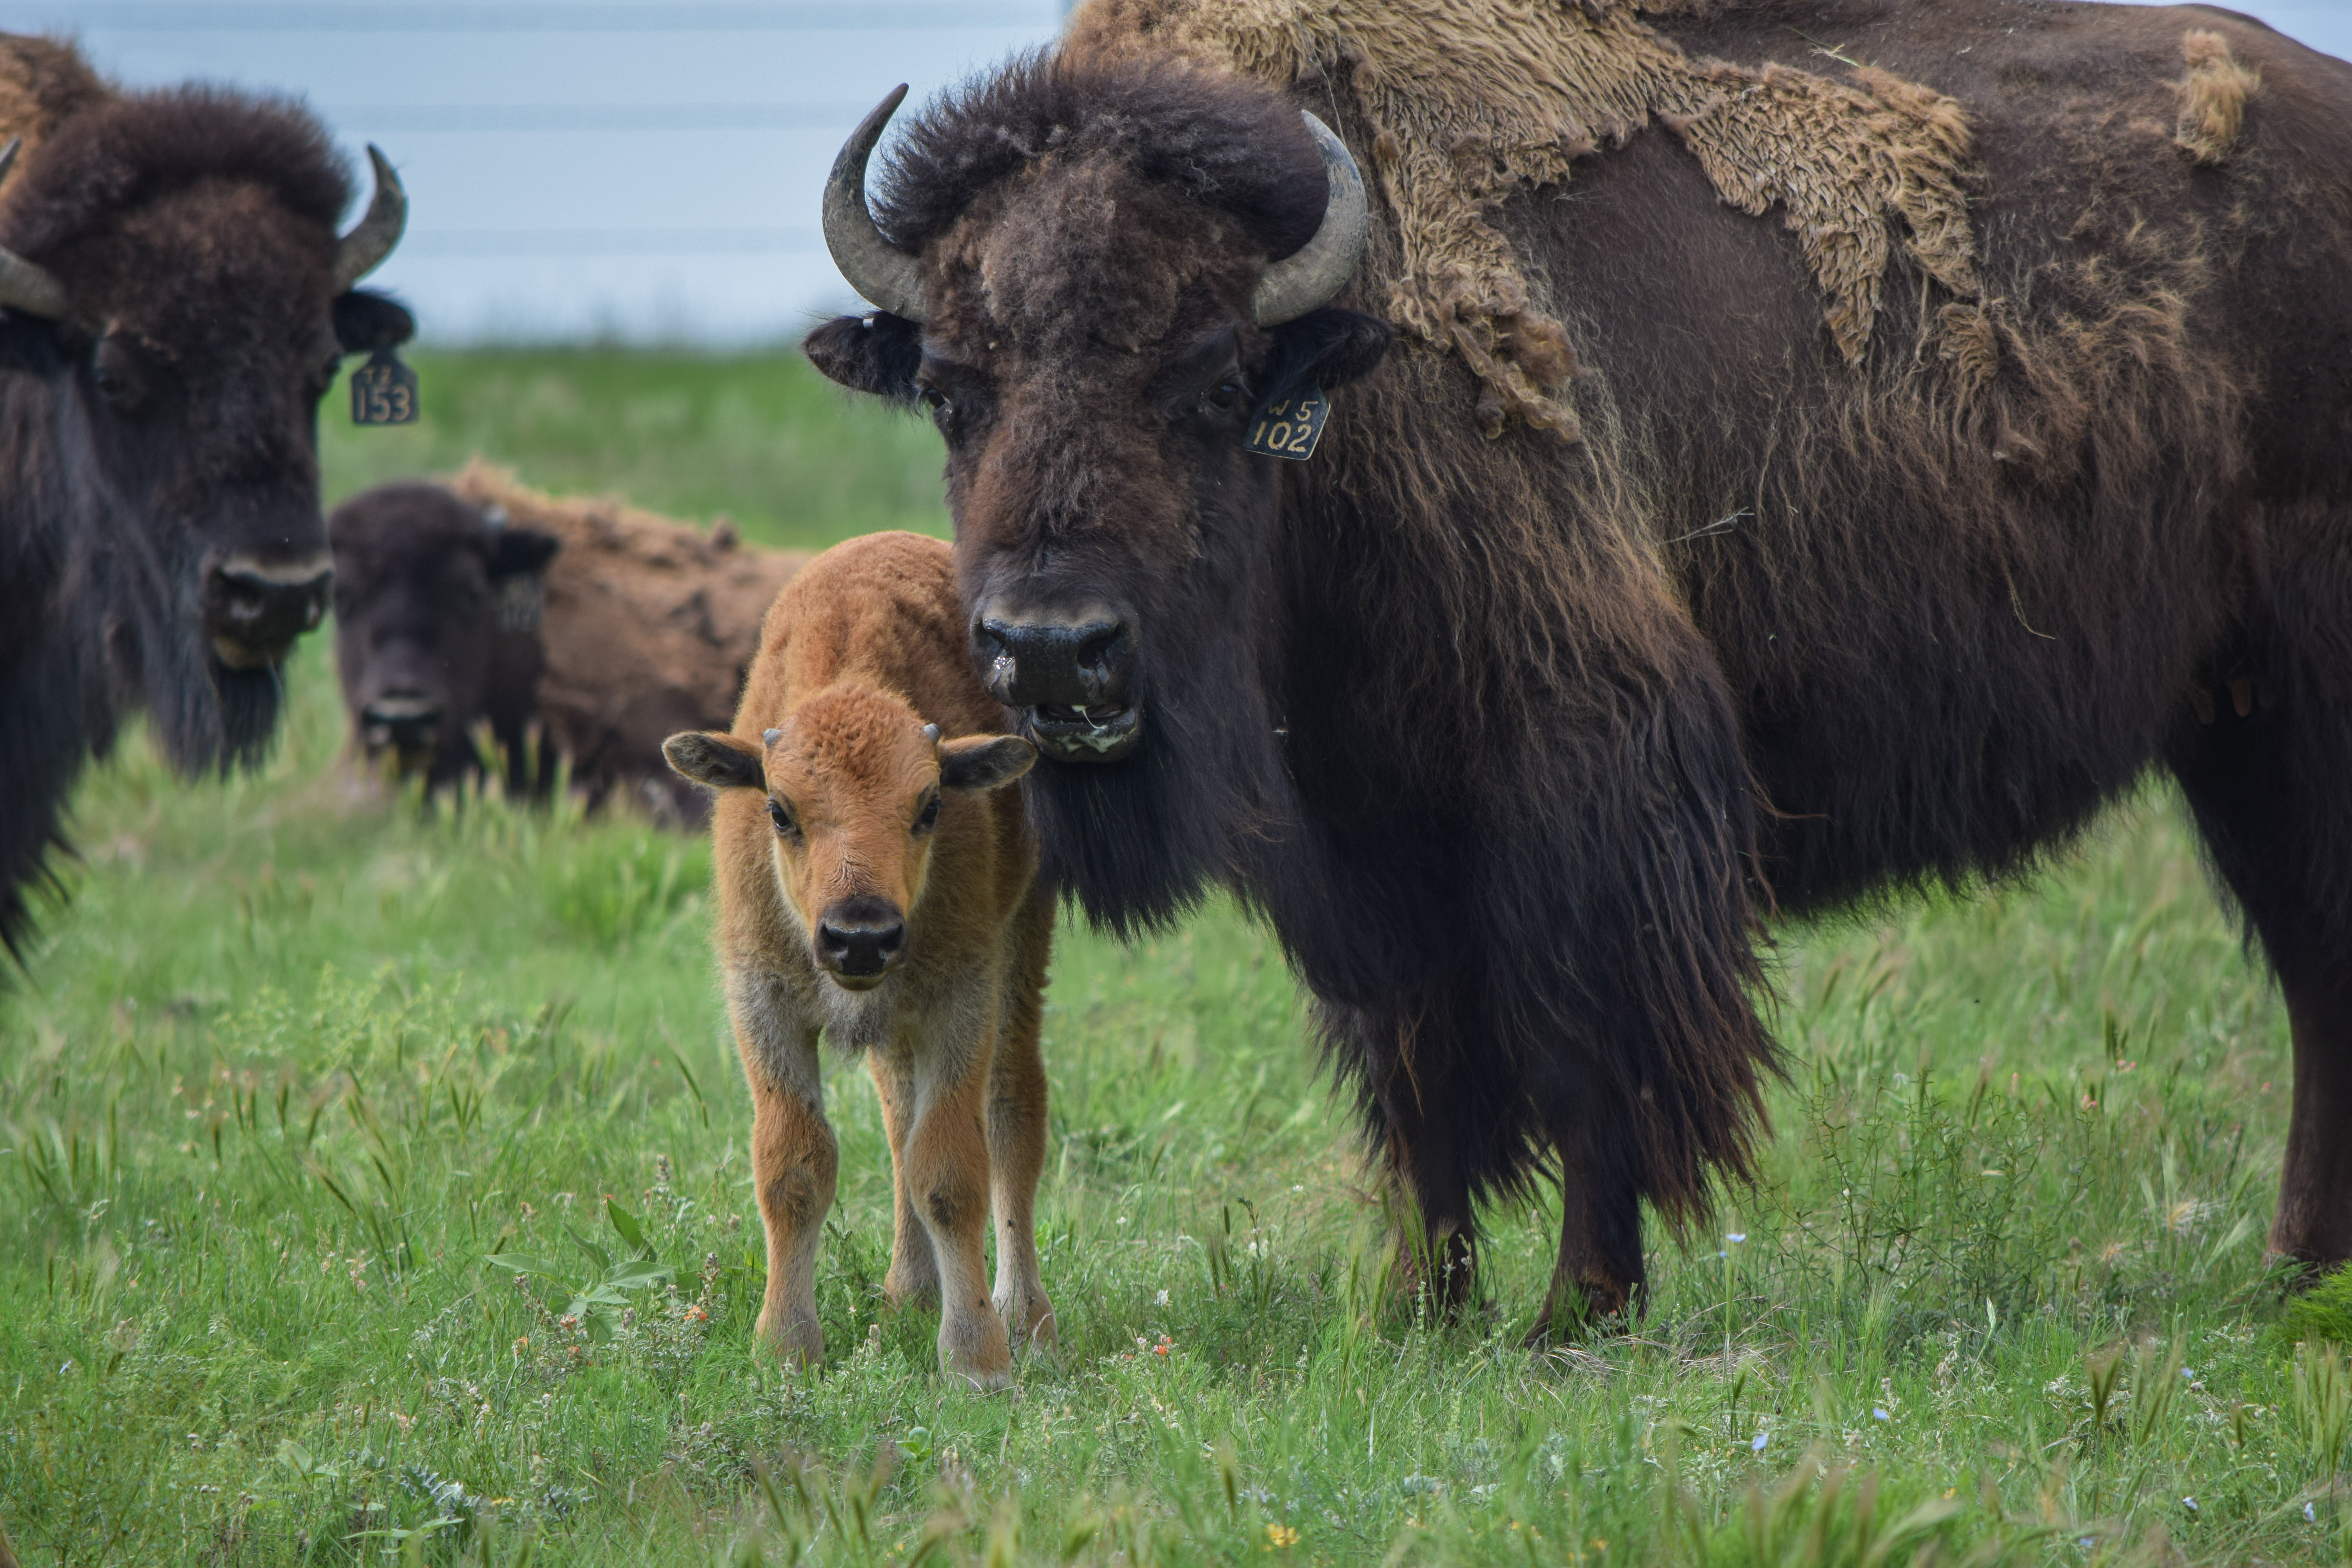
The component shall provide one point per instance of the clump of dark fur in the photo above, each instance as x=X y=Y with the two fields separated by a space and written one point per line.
x=1225 y=143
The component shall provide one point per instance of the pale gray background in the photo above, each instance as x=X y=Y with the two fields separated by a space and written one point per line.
x=637 y=170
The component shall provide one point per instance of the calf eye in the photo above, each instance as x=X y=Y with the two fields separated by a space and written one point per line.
x=930 y=817
x=785 y=826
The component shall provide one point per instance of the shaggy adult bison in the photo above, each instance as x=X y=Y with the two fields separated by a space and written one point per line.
x=574 y=626
x=1824 y=448
x=173 y=301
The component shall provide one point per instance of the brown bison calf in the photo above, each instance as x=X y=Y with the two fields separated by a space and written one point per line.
x=878 y=885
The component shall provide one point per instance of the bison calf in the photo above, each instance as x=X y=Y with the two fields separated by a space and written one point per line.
x=878 y=885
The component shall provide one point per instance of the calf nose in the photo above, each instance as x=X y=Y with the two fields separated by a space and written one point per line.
x=255 y=609
x=1085 y=661
x=407 y=721
x=860 y=938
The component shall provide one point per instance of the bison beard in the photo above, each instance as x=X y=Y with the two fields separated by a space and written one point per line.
x=1513 y=740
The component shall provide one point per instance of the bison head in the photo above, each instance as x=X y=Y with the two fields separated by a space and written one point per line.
x=429 y=639
x=1102 y=272
x=173 y=275
x=855 y=783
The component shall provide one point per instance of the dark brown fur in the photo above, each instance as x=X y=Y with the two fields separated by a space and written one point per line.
x=159 y=437
x=1516 y=739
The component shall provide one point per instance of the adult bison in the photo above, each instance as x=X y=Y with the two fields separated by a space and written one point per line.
x=1791 y=478
x=173 y=301
x=599 y=628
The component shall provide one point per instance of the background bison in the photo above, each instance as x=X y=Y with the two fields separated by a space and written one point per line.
x=1863 y=475
x=173 y=303
x=572 y=627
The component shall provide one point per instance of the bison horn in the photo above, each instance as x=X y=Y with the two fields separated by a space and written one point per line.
x=363 y=250
x=1312 y=276
x=876 y=268
x=34 y=290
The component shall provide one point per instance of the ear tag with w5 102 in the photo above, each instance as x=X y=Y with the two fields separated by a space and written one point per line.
x=1291 y=427
x=384 y=390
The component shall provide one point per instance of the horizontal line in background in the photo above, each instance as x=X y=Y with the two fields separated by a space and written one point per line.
x=496 y=18
x=490 y=243
x=411 y=119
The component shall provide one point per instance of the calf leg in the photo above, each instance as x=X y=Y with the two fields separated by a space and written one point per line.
x=793 y=1159
x=1016 y=1132
x=914 y=1276
x=947 y=1177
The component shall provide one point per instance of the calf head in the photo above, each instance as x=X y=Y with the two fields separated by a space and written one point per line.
x=855 y=782
x=427 y=639
x=172 y=274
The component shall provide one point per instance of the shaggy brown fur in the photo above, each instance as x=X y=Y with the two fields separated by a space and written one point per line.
x=1466 y=102
x=2212 y=96
x=160 y=536
x=1516 y=741
x=622 y=628
x=878 y=884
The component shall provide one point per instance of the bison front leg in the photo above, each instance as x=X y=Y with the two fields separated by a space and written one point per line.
x=1017 y=1138
x=1598 y=1273
x=945 y=1172
x=793 y=1161
x=914 y=1276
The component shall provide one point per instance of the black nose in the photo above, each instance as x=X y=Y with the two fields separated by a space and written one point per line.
x=407 y=721
x=860 y=937
x=255 y=610
x=1083 y=661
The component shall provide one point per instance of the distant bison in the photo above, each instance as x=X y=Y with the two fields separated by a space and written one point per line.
x=878 y=885
x=597 y=627
x=173 y=301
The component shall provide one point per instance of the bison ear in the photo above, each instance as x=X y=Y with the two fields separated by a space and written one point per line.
x=1325 y=349
x=719 y=762
x=877 y=353
x=515 y=551
x=366 y=321
x=29 y=343
x=985 y=762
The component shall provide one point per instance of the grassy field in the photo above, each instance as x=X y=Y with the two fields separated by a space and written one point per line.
x=297 y=1058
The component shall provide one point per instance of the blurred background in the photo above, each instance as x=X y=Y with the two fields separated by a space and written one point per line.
x=624 y=171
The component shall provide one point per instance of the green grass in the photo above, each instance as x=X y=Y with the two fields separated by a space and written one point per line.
x=298 y=1058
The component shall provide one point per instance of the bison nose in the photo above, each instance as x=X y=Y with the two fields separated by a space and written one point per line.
x=407 y=722
x=1085 y=661
x=255 y=609
x=859 y=938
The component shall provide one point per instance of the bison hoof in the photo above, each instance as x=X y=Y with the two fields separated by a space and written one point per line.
x=973 y=1351
x=799 y=1341
x=1030 y=1323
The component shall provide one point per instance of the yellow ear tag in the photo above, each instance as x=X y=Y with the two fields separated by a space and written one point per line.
x=1291 y=427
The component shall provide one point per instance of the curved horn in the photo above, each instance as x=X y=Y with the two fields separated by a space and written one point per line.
x=363 y=250
x=876 y=268
x=34 y=290
x=1313 y=275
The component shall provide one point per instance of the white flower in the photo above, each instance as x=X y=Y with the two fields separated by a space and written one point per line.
x=2189 y=1503
x=1160 y=1299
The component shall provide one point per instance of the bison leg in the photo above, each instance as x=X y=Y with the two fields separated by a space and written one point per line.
x=794 y=1157
x=2267 y=788
x=1414 y=1104
x=1599 y=1272
x=946 y=1171
x=1016 y=1134
x=914 y=1276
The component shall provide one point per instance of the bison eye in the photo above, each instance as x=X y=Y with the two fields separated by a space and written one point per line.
x=785 y=826
x=929 y=817
x=1224 y=398
x=936 y=401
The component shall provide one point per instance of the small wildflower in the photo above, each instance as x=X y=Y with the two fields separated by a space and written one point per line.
x=522 y=1344
x=1164 y=1346
x=1761 y=1438
x=1599 y=1544
x=1736 y=1237
x=1280 y=1538
x=1878 y=1413
x=1160 y=1299
x=2308 y=1516
x=2189 y=1503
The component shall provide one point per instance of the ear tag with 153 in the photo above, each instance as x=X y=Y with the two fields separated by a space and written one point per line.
x=384 y=390
x=1291 y=427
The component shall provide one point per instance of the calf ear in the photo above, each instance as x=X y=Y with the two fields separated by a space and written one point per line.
x=366 y=321
x=514 y=551
x=985 y=762
x=720 y=761
x=877 y=353
x=1323 y=348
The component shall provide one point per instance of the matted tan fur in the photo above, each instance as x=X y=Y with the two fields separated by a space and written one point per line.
x=2212 y=96
x=1468 y=100
x=878 y=886
x=649 y=624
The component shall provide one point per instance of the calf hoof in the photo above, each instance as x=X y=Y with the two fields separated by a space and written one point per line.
x=974 y=1354
x=797 y=1341
x=1029 y=1322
